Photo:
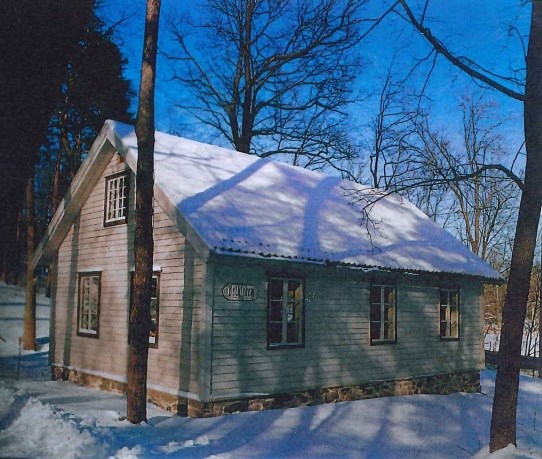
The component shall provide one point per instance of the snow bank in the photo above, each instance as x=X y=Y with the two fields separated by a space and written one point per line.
x=33 y=429
x=510 y=452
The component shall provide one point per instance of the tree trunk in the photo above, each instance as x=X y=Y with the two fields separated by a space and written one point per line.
x=140 y=317
x=503 y=420
x=29 y=335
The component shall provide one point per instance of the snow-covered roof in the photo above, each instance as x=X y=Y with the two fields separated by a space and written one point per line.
x=242 y=205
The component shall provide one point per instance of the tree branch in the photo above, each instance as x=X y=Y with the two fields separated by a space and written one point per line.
x=456 y=61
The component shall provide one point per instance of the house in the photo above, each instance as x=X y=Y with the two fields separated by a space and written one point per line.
x=273 y=286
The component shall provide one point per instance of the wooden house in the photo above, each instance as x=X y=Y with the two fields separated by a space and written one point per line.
x=274 y=285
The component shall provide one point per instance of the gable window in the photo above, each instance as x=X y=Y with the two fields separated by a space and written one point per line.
x=155 y=306
x=88 y=311
x=116 y=199
x=449 y=314
x=285 y=304
x=383 y=314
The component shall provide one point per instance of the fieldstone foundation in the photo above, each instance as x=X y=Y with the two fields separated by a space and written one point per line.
x=468 y=381
x=168 y=402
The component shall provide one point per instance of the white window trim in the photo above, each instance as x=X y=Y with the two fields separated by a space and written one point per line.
x=382 y=315
x=448 y=318
x=116 y=207
x=86 y=313
x=284 y=337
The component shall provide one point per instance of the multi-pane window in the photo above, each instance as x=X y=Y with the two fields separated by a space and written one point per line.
x=449 y=313
x=285 y=312
x=116 y=199
x=155 y=306
x=383 y=314
x=88 y=313
x=155 y=288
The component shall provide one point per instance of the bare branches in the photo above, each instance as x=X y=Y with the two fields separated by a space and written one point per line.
x=274 y=76
x=466 y=65
x=463 y=186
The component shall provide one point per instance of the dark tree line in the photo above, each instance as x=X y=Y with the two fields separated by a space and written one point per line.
x=61 y=78
x=37 y=39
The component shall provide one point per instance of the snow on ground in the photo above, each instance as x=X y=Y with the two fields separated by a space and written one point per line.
x=43 y=418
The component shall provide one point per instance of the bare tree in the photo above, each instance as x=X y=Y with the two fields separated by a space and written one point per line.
x=140 y=316
x=481 y=205
x=393 y=134
x=503 y=422
x=273 y=76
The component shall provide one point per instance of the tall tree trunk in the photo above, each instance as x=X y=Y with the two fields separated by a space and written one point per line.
x=140 y=317
x=503 y=420
x=29 y=335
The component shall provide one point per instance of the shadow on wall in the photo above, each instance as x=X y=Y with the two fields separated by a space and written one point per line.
x=337 y=348
x=189 y=333
x=72 y=296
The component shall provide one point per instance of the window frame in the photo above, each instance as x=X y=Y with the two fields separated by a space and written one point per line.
x=122 y=220
x=83 y=332
x=449 y=337
x=156 y=274
x=282 y=344
x=383 y=341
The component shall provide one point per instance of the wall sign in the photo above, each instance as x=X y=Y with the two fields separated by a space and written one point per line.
x=239 y=292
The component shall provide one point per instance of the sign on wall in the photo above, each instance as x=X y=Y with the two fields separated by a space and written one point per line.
x=239 y=292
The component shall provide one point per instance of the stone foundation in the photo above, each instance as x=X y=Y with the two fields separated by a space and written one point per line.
x=468 y=381
x=168 y=402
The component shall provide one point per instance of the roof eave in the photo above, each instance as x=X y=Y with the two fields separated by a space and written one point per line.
x=100 y=154
x=107 y=143
x=223 y=252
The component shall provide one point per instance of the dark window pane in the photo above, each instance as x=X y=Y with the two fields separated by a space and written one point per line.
x=444 y=329
x=375 y=312
x=275 y=289
x=275 y=311
x=375 y=330
x=444 y=297
x=154 y=309
x=443 y=310
x=154 y=287
x=274 y=333
x=293 y=332
x=375 y=294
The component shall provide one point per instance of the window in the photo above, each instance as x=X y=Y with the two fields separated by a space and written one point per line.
x=285 y=312
x=155 y=288
x=383 y=314
x=449 y=314
x=116 y=199
x=155 y=306
x=88 y=311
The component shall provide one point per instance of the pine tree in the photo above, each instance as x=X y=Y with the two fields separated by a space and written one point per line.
x=140 y=317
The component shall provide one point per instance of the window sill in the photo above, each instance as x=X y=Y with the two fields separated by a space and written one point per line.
x=272 y=347
x=382 y=342
x=121 y=221
x=86 y=334
x=448 y=338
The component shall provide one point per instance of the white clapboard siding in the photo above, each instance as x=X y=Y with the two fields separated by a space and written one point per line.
x=90 y=246
x=337 y=348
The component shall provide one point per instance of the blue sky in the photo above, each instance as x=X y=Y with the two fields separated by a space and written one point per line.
x=478 y=29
